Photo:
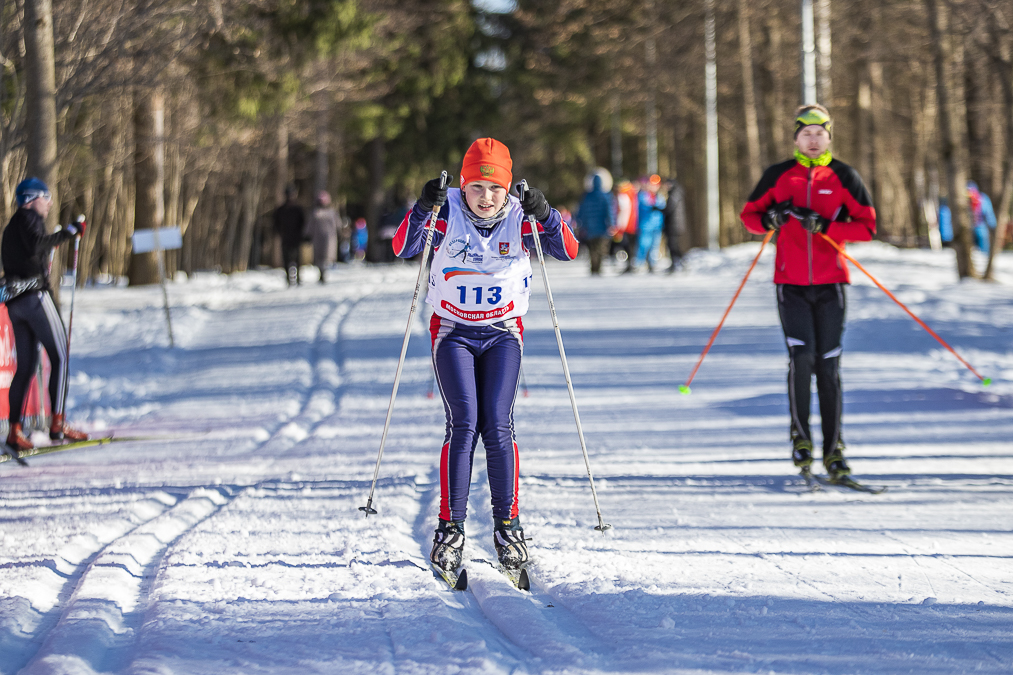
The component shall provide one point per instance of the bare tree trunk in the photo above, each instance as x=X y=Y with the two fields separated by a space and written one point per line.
x=825 y=83
x=1003 y=216
x=749 y=94
x=322 y=164
x=949 y=61
x=281 y=180
x=40 y=108
x=253 y=181
x=374 y=209
x=149 y=179
x=778 y=104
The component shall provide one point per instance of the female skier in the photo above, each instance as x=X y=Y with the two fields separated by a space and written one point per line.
x=479 y=284
x=804 y=198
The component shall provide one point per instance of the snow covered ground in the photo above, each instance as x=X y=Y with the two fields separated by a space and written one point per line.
x=230 y=541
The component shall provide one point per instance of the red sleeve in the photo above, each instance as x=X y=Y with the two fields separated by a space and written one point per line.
x=856 y=220
x=762 y=197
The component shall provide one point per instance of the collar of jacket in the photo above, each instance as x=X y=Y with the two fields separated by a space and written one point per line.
x=805 y=160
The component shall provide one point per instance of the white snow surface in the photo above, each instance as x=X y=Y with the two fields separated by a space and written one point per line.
x=230 y=540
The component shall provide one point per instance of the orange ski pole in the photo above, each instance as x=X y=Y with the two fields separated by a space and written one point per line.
x=840 y=249
x=684 y=388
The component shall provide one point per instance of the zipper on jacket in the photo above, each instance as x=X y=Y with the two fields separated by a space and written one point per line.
x=809 y=235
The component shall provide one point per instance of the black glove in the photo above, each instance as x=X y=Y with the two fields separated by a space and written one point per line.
x=77 y=227
x=776 y=216
x=810 y=220
x=534 y=204
x=433 y=195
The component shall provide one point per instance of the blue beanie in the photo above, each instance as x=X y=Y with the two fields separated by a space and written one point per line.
x=29 y=190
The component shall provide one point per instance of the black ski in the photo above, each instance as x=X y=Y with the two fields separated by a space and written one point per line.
x=457 y=581
x=851 y=483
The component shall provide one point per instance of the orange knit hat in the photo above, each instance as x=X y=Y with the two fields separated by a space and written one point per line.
x=487 y=159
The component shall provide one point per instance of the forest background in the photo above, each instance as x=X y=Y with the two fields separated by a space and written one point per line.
x=197 y=113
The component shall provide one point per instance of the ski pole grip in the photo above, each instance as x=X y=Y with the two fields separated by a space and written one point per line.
x=444 y=177
x=522 y=188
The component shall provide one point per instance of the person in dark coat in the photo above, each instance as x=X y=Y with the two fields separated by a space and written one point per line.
x=34 y=317
x=675 y=223
x=290 y=225
x=323 y=232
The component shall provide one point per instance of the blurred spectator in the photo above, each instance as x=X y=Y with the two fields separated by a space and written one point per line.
x=390 y=221
x=982 y=215
x=675 y=222
x=594 y=215
x=361 y=238
x=290 y=226
x=650 y=220
x=323 y=232
x=626 y=221
x=945 y=221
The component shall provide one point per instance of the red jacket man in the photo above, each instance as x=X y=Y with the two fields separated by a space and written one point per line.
x=805 y=199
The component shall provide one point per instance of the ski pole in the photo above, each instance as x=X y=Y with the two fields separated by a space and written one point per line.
x=684 y=388
x=840 y=249
x=430 y=227
x=602 y=525
x=70 y=318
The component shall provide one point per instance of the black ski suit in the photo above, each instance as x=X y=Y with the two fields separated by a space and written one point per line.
x=34 y=317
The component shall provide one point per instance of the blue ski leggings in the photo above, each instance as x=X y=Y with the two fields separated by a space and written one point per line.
x=477 y=369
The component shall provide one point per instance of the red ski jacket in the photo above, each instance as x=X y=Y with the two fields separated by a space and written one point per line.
x=834 y=191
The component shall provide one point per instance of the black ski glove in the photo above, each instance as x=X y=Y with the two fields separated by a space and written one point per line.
x=776 y=216
x=433 y=195
x=534 y=204
x=810 y=220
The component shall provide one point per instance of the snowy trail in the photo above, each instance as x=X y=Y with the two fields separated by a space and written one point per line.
x=235 y=544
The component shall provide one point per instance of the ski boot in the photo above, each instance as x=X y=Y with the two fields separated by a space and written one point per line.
x=16 y=439
x=510 y=547
x=448 y=545
x=802 y=453
x=836 y=467
x=59 y=430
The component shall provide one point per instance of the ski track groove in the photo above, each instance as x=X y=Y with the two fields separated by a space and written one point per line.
x=521 y=620
x=324 y=383
x=66 y=594
x=93 y=628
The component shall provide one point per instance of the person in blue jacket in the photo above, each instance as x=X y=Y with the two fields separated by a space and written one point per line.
x=597 y=222
x=651 y=216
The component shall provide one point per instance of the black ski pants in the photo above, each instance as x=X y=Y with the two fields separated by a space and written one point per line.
x=34 y=320
x=290 y=259
x=812 y=318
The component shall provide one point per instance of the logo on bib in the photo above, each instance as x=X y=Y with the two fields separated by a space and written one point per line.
x=826 y=192
x=486 y=170
x=451 y=272
x=504 y=248
x=458 y=248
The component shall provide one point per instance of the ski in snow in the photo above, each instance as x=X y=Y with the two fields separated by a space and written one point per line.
x=810 y=481
x=851 y=483
x=458 y=582
x=518 y=576
x=18 y=456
